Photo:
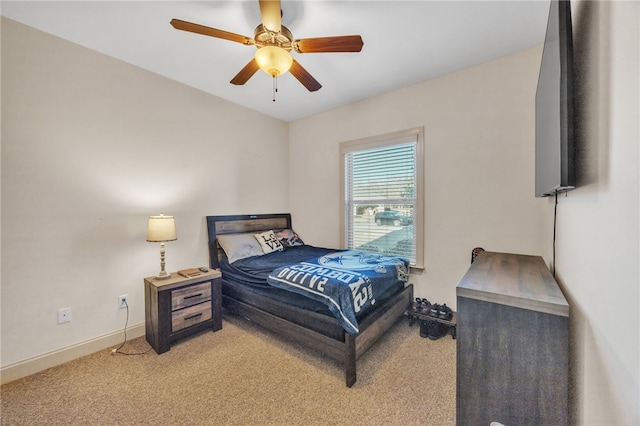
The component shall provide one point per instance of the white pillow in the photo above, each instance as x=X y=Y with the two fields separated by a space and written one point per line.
x=269 y=242
x=239 y=246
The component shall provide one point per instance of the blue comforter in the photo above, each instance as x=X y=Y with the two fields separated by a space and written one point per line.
x=346 y=281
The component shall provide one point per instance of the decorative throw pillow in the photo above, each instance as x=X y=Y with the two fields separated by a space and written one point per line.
x=239 y=246
x=288 y=238
x=269 y=242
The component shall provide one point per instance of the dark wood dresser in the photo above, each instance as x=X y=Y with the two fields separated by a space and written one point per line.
x=513 y=343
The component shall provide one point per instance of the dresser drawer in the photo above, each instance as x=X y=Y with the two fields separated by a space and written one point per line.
x=192 y=315
x=189 y=296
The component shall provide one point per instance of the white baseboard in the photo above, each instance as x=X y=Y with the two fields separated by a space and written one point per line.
x=34 y=365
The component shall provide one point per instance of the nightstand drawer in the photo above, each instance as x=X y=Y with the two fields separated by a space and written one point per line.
x=190 y=296
x=190 y=316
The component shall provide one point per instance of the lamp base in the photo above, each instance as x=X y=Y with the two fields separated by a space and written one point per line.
x=162 y=276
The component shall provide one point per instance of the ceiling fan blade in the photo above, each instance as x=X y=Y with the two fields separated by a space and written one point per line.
x=304 y=77
x=271 y=15
x=350 y=43
x=208 y=31
x=245 y=73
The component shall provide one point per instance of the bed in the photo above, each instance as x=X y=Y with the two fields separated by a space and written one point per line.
x=295 y=316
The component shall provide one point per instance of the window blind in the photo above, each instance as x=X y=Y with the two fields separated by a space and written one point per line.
x=380 y=199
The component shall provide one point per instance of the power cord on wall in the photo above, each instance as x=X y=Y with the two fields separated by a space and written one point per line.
x=555 y=219
x=118 y=350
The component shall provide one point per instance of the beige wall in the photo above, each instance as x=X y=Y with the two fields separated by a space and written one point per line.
x=598 y=253
x=90 y=147
x=479 y=144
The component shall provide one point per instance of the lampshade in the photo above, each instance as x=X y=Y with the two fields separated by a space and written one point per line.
x=273 y=60
x=161 y=228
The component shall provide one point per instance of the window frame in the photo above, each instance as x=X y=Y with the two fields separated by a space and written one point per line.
x=382 y=141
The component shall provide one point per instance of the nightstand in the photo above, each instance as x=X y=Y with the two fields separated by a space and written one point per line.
x=179 y=306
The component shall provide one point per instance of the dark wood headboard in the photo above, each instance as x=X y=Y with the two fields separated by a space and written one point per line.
x=238 y=224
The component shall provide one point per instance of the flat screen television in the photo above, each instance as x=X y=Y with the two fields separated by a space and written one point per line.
x=555 y=163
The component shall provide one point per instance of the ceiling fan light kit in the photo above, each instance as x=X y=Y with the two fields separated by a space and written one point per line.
x=275 y=42
x=273 y=60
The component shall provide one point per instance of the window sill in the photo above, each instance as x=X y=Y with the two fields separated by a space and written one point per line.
x=417 y=270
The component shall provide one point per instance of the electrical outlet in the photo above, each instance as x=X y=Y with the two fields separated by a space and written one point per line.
x=123 y=301
x=64 y=315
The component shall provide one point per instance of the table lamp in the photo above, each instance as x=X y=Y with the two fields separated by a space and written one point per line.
x=161 y=229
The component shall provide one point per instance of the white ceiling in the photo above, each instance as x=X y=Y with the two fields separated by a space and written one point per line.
x=405 y=42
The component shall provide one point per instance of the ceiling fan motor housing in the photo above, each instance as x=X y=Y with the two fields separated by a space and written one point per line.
x=282 y=39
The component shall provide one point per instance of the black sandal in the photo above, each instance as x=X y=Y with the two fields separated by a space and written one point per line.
x=426 y=306
x=445 y=312
x=417 y=305
x=435 y=310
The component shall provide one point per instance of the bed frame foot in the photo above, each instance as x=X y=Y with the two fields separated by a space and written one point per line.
x=350 y=359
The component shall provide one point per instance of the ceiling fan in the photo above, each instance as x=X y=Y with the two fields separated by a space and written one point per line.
x=275 y=42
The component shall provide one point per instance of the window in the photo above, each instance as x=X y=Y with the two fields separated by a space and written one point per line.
x=382 y=195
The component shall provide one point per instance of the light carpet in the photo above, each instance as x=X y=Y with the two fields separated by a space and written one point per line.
x=243 y=375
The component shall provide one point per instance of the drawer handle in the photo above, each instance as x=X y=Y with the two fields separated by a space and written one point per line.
x=192 y=296
x=193 y=316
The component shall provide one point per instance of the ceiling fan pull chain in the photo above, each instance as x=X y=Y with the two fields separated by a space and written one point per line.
x=275 y=87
